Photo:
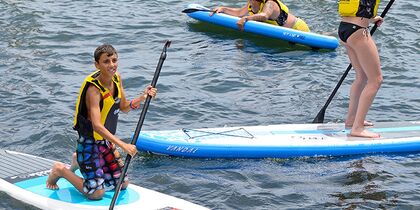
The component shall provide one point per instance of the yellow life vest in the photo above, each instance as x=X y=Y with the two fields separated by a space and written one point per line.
x=358 y=8
x=109 y=107
x=284 y=12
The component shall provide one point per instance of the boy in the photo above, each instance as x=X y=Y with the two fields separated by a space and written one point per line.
x=100 y=99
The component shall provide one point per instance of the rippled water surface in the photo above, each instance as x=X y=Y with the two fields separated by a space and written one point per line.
x=212 y=77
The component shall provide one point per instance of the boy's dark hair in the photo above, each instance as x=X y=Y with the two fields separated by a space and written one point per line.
x=105 y=48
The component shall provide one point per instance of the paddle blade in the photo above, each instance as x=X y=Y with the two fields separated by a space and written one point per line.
x=195 y=8
x=319 y=117
x=189 y=10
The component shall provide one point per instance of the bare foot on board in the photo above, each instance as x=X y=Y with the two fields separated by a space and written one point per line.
x=54 y=175
x=74 y=165
x=365 y=123
x=365 y=134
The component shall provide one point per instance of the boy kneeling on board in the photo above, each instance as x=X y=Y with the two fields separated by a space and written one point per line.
x=100 y=99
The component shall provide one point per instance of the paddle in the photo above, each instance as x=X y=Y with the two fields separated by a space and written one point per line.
x=195 y=8
x=320 y=116
x=139 y=125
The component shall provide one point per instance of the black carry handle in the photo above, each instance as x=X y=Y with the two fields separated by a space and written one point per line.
x=139 y=125
x=320 y=116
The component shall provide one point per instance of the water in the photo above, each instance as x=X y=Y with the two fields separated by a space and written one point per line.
x=212 y=77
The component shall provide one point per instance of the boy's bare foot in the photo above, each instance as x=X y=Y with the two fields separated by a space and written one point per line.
x=54 y=175
x=365 y=134
x=74 y=165
x=365 y=123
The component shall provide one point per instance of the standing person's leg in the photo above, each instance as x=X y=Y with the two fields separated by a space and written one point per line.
x=356 y=88
x=368 y=57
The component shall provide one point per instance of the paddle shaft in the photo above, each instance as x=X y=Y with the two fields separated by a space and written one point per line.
x=139 y=125
x=320 y=116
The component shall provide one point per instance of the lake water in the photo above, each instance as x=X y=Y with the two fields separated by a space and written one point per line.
x=212 y=77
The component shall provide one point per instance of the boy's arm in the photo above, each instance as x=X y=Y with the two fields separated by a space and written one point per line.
x=93 y=97
x=126 y=105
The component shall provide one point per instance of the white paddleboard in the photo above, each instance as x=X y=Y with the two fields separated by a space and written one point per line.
x=24 y=176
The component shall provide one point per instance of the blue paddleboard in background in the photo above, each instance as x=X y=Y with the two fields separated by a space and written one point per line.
x=310 y=39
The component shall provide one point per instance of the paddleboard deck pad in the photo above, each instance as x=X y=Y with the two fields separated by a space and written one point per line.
x=280 y=141
x=24 y=176
x=314 y=40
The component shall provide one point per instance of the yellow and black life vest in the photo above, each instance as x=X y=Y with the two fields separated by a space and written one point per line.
x=281 y=20
x=358 y=8
x=109 y=106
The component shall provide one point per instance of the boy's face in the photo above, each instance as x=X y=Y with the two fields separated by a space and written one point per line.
x=107 y=64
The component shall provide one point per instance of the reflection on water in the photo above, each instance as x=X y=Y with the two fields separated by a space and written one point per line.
x=242 y=39
x=363 y=186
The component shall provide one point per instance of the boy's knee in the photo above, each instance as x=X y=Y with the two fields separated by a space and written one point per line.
x=97 y=195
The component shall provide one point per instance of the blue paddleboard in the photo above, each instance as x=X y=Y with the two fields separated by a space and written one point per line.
x=310 y=39
x=280 y=141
